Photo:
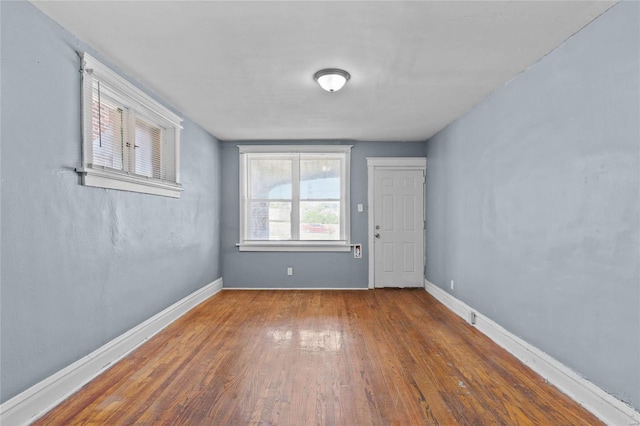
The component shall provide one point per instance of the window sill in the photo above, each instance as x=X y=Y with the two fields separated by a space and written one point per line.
x=335 y=246
x=102 y=178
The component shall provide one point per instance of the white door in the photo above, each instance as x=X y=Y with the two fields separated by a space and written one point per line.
x=398 y=227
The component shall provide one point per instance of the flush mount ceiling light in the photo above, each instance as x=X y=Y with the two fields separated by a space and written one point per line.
x=331 y=79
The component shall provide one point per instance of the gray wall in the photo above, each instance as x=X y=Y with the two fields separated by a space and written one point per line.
x=312 y=269
x=80 y=265
x=533 y=204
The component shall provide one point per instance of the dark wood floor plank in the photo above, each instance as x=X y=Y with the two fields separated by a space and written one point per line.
x=375 y=357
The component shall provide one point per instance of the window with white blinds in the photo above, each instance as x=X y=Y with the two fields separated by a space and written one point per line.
x=130 y=141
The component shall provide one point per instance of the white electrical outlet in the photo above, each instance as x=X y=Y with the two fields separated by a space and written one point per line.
x=451 y=284
x=289 y=271
x=360 y=208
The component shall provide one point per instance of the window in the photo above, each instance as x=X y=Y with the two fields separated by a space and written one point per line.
x=294 y=198
x=130 y=141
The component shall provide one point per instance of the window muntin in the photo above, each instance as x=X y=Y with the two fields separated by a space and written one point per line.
x=131 y=142
x=294 y=198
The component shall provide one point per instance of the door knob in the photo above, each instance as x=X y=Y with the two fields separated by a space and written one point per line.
x=377 y=226
x=377 y=235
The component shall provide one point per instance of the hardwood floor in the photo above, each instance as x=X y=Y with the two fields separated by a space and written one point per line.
x=374 y=357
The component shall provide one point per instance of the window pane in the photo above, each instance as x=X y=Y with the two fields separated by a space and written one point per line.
x=320 y=220
x=147 y=149
x=320 y=179
x=270 y=179
x=107 y=121
x=270 y=220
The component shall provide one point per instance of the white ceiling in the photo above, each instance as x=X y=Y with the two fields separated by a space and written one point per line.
x=244 y=70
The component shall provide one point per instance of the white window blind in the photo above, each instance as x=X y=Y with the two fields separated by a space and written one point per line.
x=130 y=141
x=294 y=198
x=107 y=130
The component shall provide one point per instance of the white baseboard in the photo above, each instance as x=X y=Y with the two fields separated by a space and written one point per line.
x=609 y=409
x=295 y=288
x=34 y=402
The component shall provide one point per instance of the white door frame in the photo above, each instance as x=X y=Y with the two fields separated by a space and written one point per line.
x=380 y=163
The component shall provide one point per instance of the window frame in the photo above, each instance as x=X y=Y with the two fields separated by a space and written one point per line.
x=138 y=105
x=342 y=245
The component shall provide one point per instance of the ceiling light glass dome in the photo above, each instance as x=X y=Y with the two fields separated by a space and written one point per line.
x=331 y=79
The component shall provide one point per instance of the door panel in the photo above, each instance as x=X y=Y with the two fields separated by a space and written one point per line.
x=389 y=257
x=388 y=202
x=409 y=256
x=409 y=213
x=398 y=225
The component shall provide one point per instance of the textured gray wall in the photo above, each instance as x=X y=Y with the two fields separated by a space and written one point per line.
x=533 y=204
x=311 y=269
x=80 y=265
